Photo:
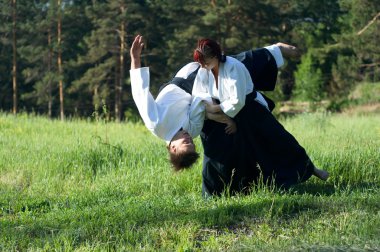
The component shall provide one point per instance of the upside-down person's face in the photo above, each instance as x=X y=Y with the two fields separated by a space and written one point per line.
x=210 y=63
x=182 y=142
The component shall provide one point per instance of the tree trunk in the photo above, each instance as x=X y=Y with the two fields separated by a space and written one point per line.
x=116 y=87
x=60 y=63
x=95 y=99
x=50 y=53
x=14 y=67
x=119 y=89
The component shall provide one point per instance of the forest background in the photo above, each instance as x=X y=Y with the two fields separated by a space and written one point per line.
x=68 y=58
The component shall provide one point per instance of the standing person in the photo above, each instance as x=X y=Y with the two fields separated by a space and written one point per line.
x=277 y=152
x=227 y=165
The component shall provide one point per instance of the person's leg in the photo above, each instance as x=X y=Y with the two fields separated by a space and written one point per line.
x=226 y=165
x=215 y=177
x=276 y=141
x=278 y=152
x=261 y=66
x=321 y=174
x=217 y=149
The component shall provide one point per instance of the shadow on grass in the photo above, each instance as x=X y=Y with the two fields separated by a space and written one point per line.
x=115 y=212
x=329 y=188
x=283 y=206
x=316 y=189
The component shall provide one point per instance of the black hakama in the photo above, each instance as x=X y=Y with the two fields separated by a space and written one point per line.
x=281 y=158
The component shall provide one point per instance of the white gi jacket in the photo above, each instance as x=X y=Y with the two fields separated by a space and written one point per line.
x=172 y=110
x=234 y=83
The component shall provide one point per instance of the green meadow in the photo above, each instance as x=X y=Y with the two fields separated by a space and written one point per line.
x=99 y=186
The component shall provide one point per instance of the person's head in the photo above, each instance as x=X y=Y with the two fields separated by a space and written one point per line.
x=208 y=53
x=182 y=151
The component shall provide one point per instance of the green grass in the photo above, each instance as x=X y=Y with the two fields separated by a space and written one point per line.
x=89 y=186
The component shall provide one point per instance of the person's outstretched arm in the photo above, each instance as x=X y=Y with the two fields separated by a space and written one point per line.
x=140 y=80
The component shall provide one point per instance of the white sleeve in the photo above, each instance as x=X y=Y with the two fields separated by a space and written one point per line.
x=276 y=53
x=144 y=100
x=237 y=77
x=186 y=70
x=200 y=87
x=196 y=116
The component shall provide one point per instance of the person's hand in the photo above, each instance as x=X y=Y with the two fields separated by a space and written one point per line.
x=208 y=115
x=231 y=127
x=212 y=108
x=135 y=51
x=137 y=47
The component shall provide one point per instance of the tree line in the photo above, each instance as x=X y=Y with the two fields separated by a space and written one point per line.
x=70 y=58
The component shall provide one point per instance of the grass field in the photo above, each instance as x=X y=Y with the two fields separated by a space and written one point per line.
x=88 y=186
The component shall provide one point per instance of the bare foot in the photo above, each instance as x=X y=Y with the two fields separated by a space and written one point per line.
x=289 y=51
x=321 y=174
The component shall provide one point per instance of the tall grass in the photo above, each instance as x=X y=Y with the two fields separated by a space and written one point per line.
x=82 y=185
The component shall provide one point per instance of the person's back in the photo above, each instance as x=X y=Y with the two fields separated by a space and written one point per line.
x=173 y=110
x=165 y=115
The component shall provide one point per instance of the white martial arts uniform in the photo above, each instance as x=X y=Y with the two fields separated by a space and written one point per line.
x=234 y=83
x=172 y=110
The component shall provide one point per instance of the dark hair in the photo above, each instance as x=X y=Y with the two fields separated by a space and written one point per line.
x=183 y=160
x=208 y=48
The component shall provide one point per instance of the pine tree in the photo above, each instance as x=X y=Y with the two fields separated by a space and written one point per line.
x=106 y=48
x=37 y=55
x=365 y=42
x=6 y=96
x=15 y=14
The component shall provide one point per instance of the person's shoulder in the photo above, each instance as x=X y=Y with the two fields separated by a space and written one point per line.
x=187 y=69
x=232 y=62
x=231 y=59
x=173 y=90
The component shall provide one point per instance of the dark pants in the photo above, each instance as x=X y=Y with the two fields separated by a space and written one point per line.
x=261 y=149
x=227 y=166
x=281 y=158
x=261 y=66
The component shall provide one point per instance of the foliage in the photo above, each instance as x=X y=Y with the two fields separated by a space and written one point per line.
x=366 y=92
x=94 y=42
x=308 y=86
x=360 y=38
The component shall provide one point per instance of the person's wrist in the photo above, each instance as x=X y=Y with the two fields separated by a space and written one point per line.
x=135 y=63
x=135 y=59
